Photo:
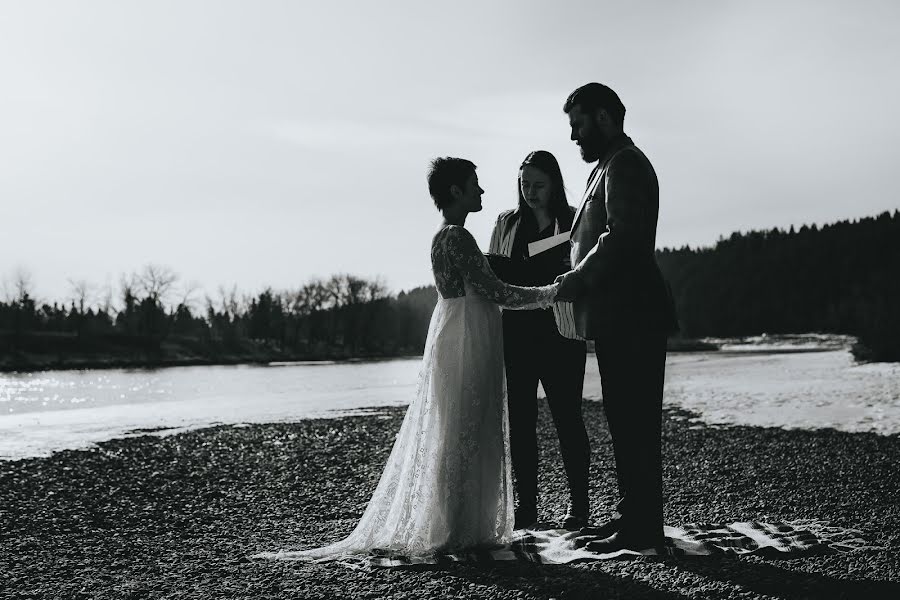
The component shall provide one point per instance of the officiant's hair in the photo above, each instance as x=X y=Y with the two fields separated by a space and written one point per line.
x=546 y=163
x=592 y=96
x=444 y=172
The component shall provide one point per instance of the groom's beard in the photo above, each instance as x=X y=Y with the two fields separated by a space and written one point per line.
x=594 y=147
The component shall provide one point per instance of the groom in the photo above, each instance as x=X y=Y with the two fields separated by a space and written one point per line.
x=622 y=303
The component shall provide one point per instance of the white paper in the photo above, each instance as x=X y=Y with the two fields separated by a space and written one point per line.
x=547 y=243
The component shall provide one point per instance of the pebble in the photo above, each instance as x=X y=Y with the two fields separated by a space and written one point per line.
x=176 y=517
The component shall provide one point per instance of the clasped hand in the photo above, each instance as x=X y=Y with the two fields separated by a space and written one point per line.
x=570 y=285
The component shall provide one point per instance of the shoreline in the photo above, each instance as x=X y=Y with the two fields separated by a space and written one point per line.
x=275 y=361
x=38 y=363
x=176 y=516
x=81 y=363
x=280 y=361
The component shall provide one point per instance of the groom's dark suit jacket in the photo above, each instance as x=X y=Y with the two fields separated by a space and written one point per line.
x=613 y=248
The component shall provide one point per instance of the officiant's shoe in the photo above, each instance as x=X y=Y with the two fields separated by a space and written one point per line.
x=575 y=520
x=625 y=541
x=577 y=513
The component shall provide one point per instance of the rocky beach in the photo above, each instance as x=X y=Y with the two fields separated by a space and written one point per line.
x=177 y=516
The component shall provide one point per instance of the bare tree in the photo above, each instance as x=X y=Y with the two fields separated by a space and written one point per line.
x=81 y=291
x=376 y=290
x=20 y=287
x=106 y=298
x=337 y=290
x=297 y=302
x=346 y=289
x=313 y=296
x=188 y=291
x=7 y=290
x=127 y=287
x=22 y=300
x=156 y=282
x=231 y=304
x=356 y=289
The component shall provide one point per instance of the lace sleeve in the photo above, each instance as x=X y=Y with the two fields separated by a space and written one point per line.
x=465 y=256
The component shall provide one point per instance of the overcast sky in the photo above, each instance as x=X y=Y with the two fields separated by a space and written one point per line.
x=265 y=143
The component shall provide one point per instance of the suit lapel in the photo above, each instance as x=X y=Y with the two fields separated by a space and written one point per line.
x=587 y=194
x=596 y=174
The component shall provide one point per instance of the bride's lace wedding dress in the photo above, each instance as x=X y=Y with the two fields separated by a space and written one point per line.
x=447 y=482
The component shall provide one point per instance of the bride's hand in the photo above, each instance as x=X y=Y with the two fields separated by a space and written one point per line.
x=555 y=286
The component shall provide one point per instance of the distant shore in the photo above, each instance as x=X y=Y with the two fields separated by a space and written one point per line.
x=44 y=362
x=174 y=355
x=176 y=516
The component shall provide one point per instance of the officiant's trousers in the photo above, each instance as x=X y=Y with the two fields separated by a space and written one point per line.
x=536 y=352
x=632 y=373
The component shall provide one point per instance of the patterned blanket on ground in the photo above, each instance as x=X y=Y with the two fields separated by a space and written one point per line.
x=557 y=546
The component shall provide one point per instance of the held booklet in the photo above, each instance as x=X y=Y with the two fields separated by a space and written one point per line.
x=547 y=243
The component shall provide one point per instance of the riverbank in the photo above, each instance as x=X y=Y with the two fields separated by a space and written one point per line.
x=175 y=517
x=56 y=352
x=169 y=354
x=86 y=363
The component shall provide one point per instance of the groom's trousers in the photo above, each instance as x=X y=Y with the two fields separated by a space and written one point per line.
x=536 y=352
x=632 y=372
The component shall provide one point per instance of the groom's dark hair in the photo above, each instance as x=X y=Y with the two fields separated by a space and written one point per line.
x=444 y=172
x=592 y=96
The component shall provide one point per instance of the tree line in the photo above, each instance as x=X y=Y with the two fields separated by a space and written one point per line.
x=156 y=321
x=842 y=278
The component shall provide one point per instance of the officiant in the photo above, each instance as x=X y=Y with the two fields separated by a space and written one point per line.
x=530 y=247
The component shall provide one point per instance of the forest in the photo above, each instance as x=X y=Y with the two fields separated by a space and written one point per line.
x=341 y=317
x=840 y=278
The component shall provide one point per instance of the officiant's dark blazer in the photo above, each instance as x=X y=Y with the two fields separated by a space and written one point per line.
x=613 y=248
x=500 y=249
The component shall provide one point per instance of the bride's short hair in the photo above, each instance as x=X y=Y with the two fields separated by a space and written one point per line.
x=444 y=172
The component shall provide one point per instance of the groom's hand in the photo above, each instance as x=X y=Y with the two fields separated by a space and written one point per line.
x=570 y=286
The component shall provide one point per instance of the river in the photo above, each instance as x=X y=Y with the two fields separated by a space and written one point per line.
x=808 y=383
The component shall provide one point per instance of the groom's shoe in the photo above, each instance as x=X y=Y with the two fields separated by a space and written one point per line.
x=603 y=531
x=626 y=541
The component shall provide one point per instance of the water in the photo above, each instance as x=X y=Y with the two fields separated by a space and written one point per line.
x=747 y=384
x=48 y=411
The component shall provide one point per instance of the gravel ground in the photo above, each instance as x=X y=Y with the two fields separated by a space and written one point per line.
x=175 y=517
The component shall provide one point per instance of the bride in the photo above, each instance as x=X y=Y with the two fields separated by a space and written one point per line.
x=447 y=483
